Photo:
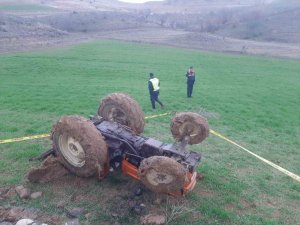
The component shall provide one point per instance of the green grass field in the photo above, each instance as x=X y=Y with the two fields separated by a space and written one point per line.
x=253 y=101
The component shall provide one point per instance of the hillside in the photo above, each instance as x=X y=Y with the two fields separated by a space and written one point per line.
x=243 y=27
x=277 y=21
x=252 y=20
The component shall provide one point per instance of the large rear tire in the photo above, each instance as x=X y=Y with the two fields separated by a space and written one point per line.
x=122 y=108
x=162 y=174
x=80 y=146
x=190 y=125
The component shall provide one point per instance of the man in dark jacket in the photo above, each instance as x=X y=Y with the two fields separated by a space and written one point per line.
x=190 y=75
x=154 y=86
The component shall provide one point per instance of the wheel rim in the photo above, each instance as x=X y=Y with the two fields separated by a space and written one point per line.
x=156 y=178
x=117 y=115
x=188 y=129
x=71 y=150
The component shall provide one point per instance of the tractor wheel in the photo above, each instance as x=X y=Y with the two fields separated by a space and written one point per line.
x=121 y=108
x=80 y=146
x=162 y=174
x=190 y=125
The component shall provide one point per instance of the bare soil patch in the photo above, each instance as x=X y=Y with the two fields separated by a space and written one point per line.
x=50 y=170
x=247 y=205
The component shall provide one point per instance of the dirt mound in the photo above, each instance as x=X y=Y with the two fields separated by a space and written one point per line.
x=50 y=170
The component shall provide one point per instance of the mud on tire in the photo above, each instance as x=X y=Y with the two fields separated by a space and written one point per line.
x=80 y=146
x=162 y=174
x=122 y=108
x=191 y=125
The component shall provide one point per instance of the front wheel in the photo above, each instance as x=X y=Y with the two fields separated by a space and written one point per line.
x=80 y=146
x=162 y=174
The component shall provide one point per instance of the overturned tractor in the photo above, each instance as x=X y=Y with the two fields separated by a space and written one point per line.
x=112 y=138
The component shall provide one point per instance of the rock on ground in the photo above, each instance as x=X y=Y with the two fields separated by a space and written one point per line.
x=152 y=219
x=28 y=222
x=16 y=213
x=75 y=212
x=36 y=195
x=73 y=222
x=23 y=192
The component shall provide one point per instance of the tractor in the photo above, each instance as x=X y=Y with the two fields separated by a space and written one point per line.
x=113 y=139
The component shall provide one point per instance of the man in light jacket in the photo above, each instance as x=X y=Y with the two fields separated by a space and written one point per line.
x=154 y=86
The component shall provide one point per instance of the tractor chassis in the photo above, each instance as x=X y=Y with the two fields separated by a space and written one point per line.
x=127 y=149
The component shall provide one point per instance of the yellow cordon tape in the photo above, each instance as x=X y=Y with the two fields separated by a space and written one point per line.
x=154 y=116
x=48 y=135
x=24 y=138
x=290 y=174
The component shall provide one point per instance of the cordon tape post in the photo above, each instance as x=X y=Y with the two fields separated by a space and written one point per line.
x=275 y=166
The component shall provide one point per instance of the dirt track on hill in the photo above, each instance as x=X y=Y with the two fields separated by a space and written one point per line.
x=159 y=36
x=205 y=42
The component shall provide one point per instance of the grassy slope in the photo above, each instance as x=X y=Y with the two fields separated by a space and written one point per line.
x=16 y=6
x=254 y=101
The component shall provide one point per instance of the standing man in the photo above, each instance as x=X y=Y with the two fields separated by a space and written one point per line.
x=153 y=86
x=190 y=75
